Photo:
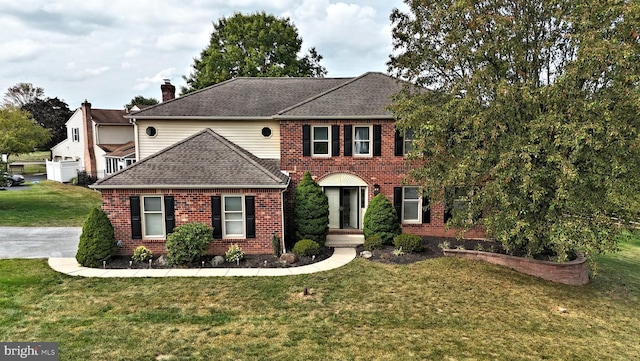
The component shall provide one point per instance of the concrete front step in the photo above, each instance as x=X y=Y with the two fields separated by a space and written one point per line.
x=344 y=240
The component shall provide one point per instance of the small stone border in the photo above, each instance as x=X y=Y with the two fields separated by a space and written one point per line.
x=574 y=272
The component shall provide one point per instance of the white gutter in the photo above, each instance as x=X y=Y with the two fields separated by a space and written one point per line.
x=188 y=186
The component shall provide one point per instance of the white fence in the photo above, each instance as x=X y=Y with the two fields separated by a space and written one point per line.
x=62 y=171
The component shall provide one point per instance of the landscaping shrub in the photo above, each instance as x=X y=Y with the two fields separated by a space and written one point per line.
x=381 y=219
x=234 y=254
x=97 y=241
x=310 y=211
x=188 y=242
x=275 y=243
x=141 y=254
x=306 y=247
x=408 y=242
x=373 y=242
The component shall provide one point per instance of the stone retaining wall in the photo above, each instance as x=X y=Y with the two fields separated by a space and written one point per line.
x=573 y=272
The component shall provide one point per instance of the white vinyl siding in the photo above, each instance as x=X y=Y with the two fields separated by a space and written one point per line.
x=245 y=133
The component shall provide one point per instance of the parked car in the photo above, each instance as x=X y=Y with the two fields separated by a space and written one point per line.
x=13 y=179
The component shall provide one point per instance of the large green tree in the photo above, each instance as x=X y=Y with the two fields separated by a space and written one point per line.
x=51 y=114
x=141 y=100
x=255 y=45
x=532 y=120
x=19 y=133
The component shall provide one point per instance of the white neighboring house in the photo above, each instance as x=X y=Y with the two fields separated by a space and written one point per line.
x=99 y=142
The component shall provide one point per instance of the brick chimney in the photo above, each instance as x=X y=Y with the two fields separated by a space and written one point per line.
x=89 y=152
x=168 y=91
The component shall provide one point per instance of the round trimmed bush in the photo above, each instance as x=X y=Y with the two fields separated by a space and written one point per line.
x=188 y=242
x=373 y=242
x=381 y=219
x=409 y=243
x=141 y=254
x=97 y=241
x=306 y=247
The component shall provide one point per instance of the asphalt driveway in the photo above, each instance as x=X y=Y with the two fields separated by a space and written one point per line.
x=39 y=242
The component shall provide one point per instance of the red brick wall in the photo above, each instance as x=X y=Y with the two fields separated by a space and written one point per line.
x=194 y=205
x=386 y=170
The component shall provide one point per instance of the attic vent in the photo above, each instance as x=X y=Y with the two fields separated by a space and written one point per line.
x=266 y=132
x=151 y=131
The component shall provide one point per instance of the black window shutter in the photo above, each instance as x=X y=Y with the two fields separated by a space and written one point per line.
x=306 y=140
x=335 y=140
x=398 y=145
x=377 y=140
x=397 y=202
x=136 y=221
x=169 y=219
x=426 y=211
x=348 y=144
x=250 y=215
x=216 y=216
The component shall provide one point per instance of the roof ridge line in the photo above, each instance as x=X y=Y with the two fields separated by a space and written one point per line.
x=245 y=154
x=351 y=80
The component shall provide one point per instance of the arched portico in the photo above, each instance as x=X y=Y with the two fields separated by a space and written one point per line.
x=348 y=199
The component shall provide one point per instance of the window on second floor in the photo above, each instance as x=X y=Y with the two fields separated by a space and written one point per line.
x=320 y=140
x=75 y=135
x=362 y=140
x=408 y=141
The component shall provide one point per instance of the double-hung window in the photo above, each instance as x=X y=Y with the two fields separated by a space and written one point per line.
x=233 y=214
x=408 y=141
x=320 y=141
x=153 y=217
x=75 y=135
x=411 y=205
x=362 y=140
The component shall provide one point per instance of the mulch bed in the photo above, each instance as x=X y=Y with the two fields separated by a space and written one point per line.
x=249 y=261
x=431 y=248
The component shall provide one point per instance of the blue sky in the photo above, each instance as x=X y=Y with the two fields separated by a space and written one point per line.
x=108 y=51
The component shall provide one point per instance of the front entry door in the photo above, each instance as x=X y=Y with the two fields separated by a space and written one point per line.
x=344 y=207
x=334 y=206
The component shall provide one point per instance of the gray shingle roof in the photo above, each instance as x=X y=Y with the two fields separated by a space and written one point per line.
x=242 y=97
x=204 y=160
x=367 y=95
x=109 y=116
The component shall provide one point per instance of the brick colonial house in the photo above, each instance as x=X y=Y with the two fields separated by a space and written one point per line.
x=232 y=154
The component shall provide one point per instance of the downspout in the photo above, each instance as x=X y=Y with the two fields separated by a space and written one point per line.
x=284 y=244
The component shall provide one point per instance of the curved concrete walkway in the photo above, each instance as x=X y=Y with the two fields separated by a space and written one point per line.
x=70 y=266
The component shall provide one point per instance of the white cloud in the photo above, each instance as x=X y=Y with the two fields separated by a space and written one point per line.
x=20 y=50
x=181 y=40
x=146 y=82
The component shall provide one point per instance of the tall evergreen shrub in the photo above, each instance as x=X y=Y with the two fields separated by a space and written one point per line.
x=97 y=241
x=311 y=211
x=381 y=219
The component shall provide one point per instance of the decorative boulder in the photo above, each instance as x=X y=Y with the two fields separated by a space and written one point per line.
x=161 y=261
x=217 y=261
x=289 y=258
x=366 y=254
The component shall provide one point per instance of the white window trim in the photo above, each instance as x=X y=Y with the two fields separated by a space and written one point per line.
x=224 y=214
x=406 y=140
x=314 y=141
x=370 y=140
x=144 y=213
x=75 y=135
x=418 y=201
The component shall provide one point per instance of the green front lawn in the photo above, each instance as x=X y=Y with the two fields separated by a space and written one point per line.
x=439 y=309
x=47 y=203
